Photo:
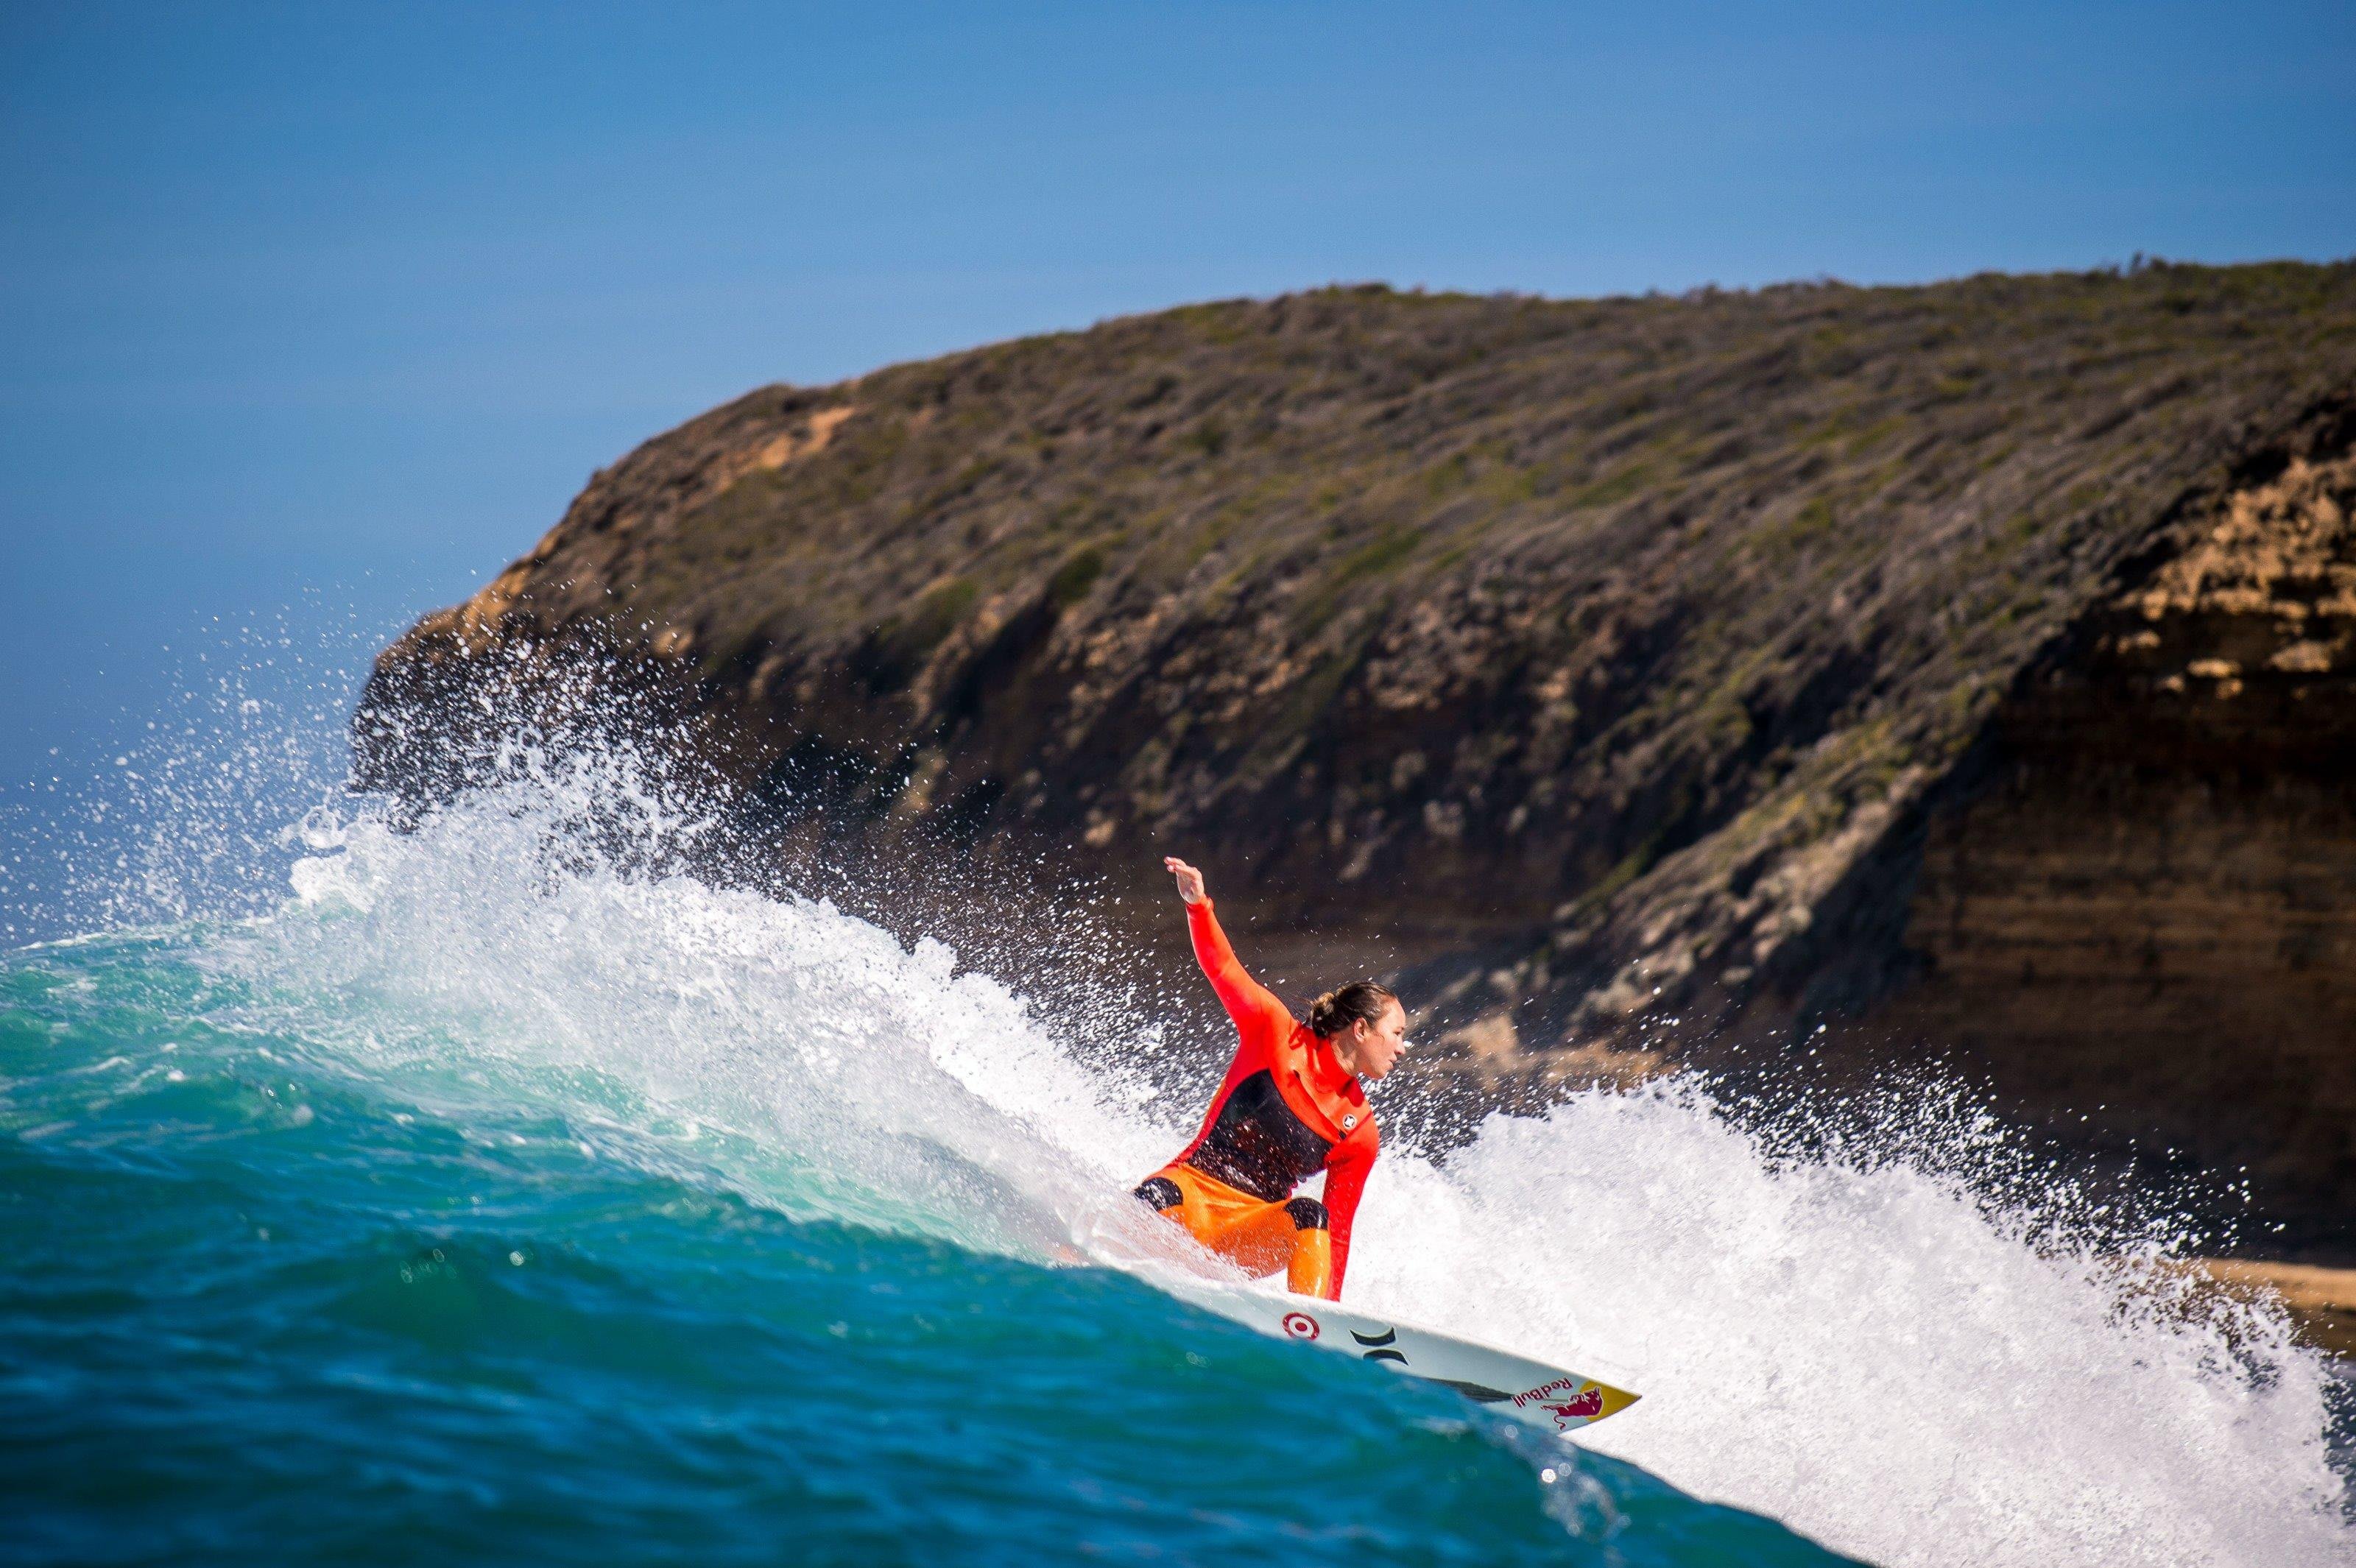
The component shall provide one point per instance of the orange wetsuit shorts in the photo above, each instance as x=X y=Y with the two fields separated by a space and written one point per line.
x=1257 y=1236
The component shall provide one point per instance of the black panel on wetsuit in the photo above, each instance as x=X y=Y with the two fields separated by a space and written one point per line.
x=1258 y=1144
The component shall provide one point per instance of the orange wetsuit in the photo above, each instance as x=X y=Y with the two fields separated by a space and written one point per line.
x=1287 y=1110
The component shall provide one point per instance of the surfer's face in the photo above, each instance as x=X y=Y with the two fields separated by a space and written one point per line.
x=1372 y=1049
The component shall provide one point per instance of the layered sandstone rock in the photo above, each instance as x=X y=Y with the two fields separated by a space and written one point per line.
x=2147 y=917
x=2321 y=1301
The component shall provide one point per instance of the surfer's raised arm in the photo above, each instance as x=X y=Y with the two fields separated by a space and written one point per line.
x=1246 y=1000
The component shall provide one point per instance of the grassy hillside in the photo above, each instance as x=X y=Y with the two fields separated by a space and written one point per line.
x=1609 y=662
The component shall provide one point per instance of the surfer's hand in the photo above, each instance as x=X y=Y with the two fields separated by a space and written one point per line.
x=1190 y=880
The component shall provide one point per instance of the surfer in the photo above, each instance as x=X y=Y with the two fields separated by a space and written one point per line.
x=1290 y=1105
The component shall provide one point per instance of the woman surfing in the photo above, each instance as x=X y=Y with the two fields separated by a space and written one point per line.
x=1292 y=1104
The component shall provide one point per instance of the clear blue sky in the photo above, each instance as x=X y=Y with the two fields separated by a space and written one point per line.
x=336 y=306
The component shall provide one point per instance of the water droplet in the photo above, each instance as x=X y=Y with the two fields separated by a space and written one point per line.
x=1546 y=1475
x=516 y=1258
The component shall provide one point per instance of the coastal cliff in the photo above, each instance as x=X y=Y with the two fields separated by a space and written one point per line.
x=1963 y=672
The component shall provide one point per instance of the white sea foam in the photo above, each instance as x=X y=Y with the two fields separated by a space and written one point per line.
x=1856 y=1344
x=1866 y=1351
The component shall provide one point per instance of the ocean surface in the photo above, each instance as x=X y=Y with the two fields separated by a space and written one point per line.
x=486 y=1194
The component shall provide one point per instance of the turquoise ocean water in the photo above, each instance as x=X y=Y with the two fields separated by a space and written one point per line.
x=484 y=1200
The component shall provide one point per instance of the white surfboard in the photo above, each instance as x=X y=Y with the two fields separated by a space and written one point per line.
x=1547 y=1396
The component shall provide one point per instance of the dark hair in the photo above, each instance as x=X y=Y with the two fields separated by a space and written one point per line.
x=1360 y=1001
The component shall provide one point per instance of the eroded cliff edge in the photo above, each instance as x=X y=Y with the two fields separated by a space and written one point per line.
x=1966 y=668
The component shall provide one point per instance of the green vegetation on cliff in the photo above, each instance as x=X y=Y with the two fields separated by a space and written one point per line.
x=1640 y=638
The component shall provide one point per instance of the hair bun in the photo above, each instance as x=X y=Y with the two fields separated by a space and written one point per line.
x=1360 y=1001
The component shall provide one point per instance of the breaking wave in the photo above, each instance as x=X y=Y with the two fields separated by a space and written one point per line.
x=1856 y=1337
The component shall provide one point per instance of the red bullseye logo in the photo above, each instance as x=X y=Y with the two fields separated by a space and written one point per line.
x=1301 y=1325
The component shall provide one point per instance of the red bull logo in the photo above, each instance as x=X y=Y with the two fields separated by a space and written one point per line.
x=1585 y=1404
x=1586 y=1407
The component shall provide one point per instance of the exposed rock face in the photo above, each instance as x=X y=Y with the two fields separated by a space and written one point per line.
x=2148 y=917
x=2322 y=1301
x=1741 y=660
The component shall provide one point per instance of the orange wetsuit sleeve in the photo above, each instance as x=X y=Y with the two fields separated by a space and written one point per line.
x=1260 y=1018
x=1346 y=1169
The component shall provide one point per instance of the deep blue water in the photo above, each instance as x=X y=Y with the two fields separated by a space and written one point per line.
x=491 y=1198
x=259 y=1305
